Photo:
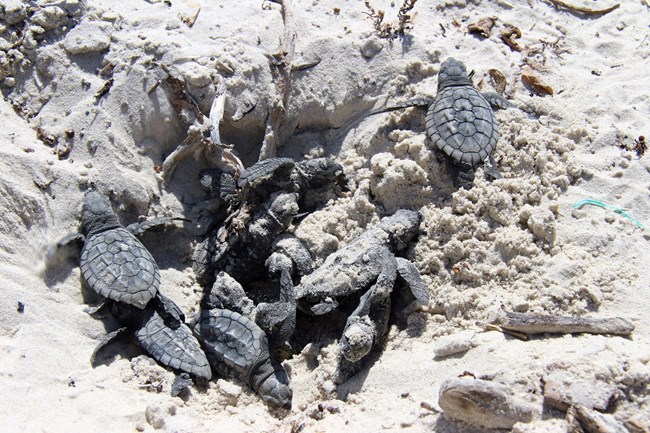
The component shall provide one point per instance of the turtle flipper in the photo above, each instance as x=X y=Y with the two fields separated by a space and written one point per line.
x=69 y=246
x=106 y=340
x=496 y=101
x=153 y=225
x=409 y=273
x=465 y=177
x=416 y=102
x=278 y=319
x=490 y=168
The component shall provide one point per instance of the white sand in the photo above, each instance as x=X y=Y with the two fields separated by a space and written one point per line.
x=515 y=242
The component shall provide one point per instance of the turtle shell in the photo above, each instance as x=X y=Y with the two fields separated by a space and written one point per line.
x=174 y=346
x=117 y=266
x=231 y=340
x=460 y=123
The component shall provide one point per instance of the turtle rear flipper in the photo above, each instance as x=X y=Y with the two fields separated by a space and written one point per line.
x=490 y=168
x=108 y=339
x=175 y=347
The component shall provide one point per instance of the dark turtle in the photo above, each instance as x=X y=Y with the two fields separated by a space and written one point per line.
x=236 y=346
x=366 y=266
x=460 y=121
x=277 y=319
x=113 y=262
x=268 y=199
x=161 y=331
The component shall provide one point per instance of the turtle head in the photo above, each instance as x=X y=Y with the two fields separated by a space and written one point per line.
x=275 y=389
x=97 y=214
x=452 y=73
x=401 y=227
x=358 y=338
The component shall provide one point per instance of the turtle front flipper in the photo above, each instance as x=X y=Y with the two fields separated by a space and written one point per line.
x=108 y=339
x=278 y=319
x=411 y=275
x=69 y=246
x=153 y=225
x=497 y=102
x=415 y=102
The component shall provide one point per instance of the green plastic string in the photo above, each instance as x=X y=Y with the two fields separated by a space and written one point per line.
x=618 y=210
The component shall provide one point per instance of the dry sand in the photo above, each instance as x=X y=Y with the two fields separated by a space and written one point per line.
x=514 y=242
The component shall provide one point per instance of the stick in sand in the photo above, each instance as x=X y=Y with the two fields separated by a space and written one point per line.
x=528 y=323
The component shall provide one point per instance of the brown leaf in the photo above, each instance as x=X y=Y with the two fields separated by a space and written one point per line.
x=510 y=35
x=483 y=27
x=535 y=82
x=498 y=80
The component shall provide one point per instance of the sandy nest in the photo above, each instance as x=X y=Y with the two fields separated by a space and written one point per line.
x=83 y=102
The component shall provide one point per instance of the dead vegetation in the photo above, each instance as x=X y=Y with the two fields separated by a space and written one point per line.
x=391 y=30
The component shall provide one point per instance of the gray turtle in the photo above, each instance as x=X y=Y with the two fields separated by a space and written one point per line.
x=276 y=319
x=236 y=346
x=460 y=121
x=116 y=265
x=113 y=262
x=161 y=331
x=267 y=198
x=366 y=266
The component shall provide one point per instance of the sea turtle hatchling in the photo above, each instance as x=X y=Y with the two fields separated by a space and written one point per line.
x=113 y=262
x=460 y=121
x=236 y=346
x=366 y=266
x=161 y=331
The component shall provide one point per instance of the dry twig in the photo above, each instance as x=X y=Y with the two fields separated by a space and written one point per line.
x=582 y=10
x=528 y=323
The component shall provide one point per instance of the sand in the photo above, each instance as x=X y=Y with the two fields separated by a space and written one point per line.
x=515 y=243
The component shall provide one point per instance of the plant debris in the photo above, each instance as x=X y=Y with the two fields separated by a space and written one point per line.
x=389 y=30
x=640 y=146
x=582 y=10
x=498 y=80
x=189 y=20
x=528 y=323
x=535 y=83
x=483 y=27
x=510 y=35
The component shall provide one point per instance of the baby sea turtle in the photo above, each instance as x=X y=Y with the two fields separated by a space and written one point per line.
x=113 y=262
x=266 y=198
x=277 y=319
x=460 y=121
x=236 y=346
x=161 y=331
x=366 y=266
x=116 y=265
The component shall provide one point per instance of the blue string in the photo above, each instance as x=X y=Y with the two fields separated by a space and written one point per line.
x=616 y=209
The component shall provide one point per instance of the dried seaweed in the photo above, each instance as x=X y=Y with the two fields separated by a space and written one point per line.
x=535 y=83
x=483 y=27
x=582 y=10
x=389 y=30
x=499 y=80
x=510 y=35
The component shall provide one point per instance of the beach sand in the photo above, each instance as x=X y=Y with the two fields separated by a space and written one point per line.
x=83 y=103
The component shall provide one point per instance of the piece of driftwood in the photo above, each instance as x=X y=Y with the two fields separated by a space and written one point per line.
x=581 y=419
x=482 y=403
x=528 y=323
